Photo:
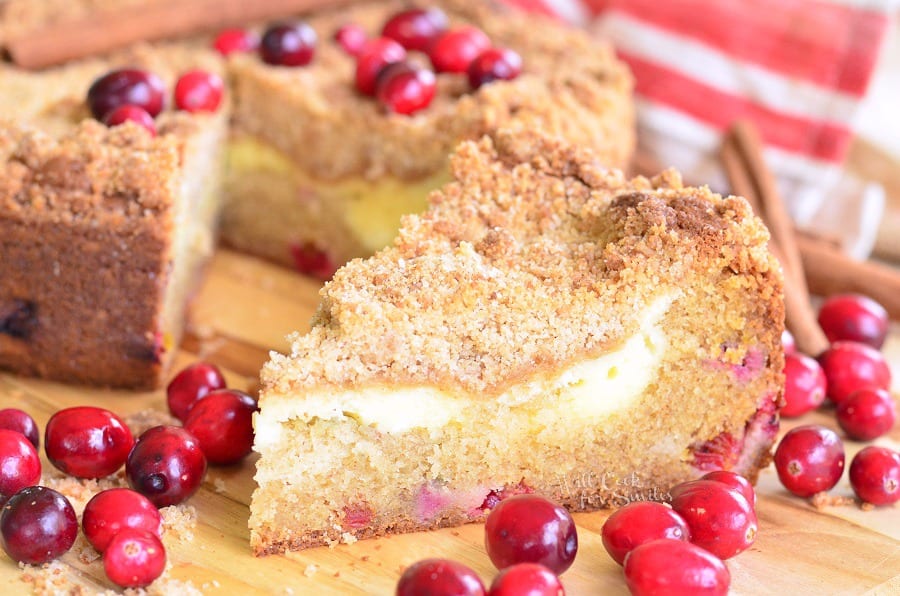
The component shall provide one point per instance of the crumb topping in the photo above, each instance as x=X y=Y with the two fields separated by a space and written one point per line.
x=536 y=254
x=571 y=85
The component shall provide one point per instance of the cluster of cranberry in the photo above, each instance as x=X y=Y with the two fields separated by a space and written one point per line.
x=679 y=549
x=854 y=376
x=384 y=69
x=164 y=466
x=135 y=95
x=529 y=539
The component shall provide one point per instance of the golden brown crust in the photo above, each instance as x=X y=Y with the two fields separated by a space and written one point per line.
x=571 y=86
x=515 y=267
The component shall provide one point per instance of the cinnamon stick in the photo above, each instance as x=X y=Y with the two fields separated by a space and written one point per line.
x=108 y=30
x=737 y=174
x=749 y=177
x=830 y=271
x=774 y=212
x=799 y=316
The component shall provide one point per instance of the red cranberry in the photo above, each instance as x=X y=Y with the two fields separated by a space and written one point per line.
x=854 y=317
x=115 y=509
x=20 y=464
x=37 y=525
x=850 y=365
x=191 y=384
x=166 y=465
x=804 y=385
x=530 y=529
x=675 y=568
x=288 y=44
x=788 y=343
x=126 y=86
x=404 y=88
x=313 y=261
x=455 y=50
x=351 y=37
x=20 y=421
x=440 y=577
x=867 y=414
x=231 y=41
x=526 y=579
x=809 y=460
x=199 y=91
x=375 y=55
x=640 y=522
x=416 y=28
x=129 y=113
x=87 y=442
x=721 y=520
x=134 y=558
x=222 y=422
x=875 y=475
x=735 y=481
x=494 y=64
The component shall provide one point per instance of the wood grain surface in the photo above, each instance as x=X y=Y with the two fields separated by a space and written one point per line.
x=246 y=308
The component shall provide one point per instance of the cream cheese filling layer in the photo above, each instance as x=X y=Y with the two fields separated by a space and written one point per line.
x=371 y=209
x=593 y=388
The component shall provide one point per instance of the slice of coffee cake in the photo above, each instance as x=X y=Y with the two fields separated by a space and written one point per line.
x=545 y=326
x=103 y=231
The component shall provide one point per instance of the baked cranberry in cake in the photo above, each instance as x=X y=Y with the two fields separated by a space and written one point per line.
x=416 y=28
x=288 y=44
x=404 y=87
x=494 y=64
x=455 y=50
x=372 y=58
x=130 y=113
x=351 y=37
x=126 y=86
x=199 y=91
x=313 y=261
x=18 y=318
x=230 y=41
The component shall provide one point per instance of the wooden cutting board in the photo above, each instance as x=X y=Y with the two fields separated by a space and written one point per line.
x=246 y=308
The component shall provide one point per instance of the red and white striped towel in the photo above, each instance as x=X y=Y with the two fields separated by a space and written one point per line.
x=798 y=68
